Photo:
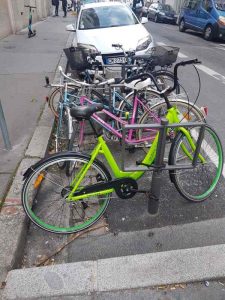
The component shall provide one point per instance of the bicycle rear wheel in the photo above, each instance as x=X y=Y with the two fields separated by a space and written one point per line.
x=45 y=191
x=199 y=183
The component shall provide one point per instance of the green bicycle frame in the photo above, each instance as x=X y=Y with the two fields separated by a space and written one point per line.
x=102 y=148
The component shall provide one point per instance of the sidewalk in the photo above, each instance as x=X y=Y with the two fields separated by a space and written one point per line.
x=24 y=63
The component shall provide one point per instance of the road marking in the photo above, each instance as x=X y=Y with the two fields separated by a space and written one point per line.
x=220 y=48
x=211 y=73
x=181 y=55
x=203 y=68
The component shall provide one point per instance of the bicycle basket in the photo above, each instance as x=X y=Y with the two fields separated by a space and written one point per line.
x=77 y=58
x=163 y=55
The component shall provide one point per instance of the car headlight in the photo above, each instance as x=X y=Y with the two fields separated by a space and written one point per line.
x=144 y=43
x=89 y=47
x=221 y=21
x=162 y=13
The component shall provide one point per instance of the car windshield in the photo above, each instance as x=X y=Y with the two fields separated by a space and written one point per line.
x=106 y=16
x=165 y=7
x=220 y=4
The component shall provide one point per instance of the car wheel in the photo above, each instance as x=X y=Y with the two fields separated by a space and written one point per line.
x=208 y=33
x=156 y=19
x=182 y=25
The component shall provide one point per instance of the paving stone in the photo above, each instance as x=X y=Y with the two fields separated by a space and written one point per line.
x=39 y=142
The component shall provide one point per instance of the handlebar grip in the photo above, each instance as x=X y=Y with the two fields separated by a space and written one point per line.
x=188 y=62
x=117 y=45
x=47 y=80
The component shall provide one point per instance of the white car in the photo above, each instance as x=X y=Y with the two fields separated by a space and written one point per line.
x=99 y=25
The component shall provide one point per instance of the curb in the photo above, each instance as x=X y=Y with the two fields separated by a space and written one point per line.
x=13 y=220
x=114 y=274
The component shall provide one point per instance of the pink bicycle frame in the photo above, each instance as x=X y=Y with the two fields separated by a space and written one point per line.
x=129 y=139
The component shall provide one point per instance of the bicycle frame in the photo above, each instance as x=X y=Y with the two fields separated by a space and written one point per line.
x=102 y=148
x=136 y=104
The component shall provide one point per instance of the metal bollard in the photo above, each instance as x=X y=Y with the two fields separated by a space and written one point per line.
x=4 y=129
x=154 y=194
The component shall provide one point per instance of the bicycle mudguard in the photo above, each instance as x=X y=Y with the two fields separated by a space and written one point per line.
x=64 y=154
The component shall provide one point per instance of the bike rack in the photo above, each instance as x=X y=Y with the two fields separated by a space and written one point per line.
x=3 y=128
x=159 y=164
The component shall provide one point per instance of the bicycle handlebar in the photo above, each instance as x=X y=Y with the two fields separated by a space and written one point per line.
x=182 y=63
x=144 y=76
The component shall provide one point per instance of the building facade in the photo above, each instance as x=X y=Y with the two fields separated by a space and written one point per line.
x=14 y=14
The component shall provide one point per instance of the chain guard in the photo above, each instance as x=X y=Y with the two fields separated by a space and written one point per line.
x=125 y=188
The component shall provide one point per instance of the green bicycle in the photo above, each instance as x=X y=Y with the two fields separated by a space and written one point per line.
x=72 y=199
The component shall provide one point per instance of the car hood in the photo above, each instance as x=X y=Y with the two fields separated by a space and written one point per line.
x=103 y=38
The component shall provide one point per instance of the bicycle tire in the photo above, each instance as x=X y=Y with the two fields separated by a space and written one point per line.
x=197 y=184
x=46 y=187
x=57 y=96
x=189 y=112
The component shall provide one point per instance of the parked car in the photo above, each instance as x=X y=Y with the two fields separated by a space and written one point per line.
x=99 y=25
x=205 y=16
x=162 y=13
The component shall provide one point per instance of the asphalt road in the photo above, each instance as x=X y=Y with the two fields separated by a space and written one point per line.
x=131 y=229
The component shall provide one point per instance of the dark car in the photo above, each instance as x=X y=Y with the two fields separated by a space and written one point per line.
x=162 y=13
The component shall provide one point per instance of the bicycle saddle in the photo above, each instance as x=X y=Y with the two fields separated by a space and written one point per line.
x=85 y=112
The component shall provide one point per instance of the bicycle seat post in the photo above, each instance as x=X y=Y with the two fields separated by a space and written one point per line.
x=154 y=194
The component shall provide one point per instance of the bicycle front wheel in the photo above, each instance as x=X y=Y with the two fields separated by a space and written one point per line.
x=45 y=191
x=188 y=112
x=199 y=183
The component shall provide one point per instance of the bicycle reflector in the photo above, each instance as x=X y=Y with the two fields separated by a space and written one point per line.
x=38 y=181
x=205 y=110
x=47 y=98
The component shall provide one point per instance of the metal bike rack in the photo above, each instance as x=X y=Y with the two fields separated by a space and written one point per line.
x=4 y=129
x=159 y=164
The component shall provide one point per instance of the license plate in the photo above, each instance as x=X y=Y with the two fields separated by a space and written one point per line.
x=115 y=60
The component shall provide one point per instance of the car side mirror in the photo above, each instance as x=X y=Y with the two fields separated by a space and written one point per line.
x=144 y=20
x=70 y=28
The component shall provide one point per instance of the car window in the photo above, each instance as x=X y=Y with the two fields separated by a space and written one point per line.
x=186 y=3
x=220 y=4
x=166 y=7
x=106 y=16
x=193 y=4
x=206 y=4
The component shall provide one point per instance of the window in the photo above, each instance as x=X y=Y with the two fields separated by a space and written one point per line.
x=106 y=16
x=206 y=4
x=193 y=4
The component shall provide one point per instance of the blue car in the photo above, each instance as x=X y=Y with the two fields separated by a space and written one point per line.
x=205 y=16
